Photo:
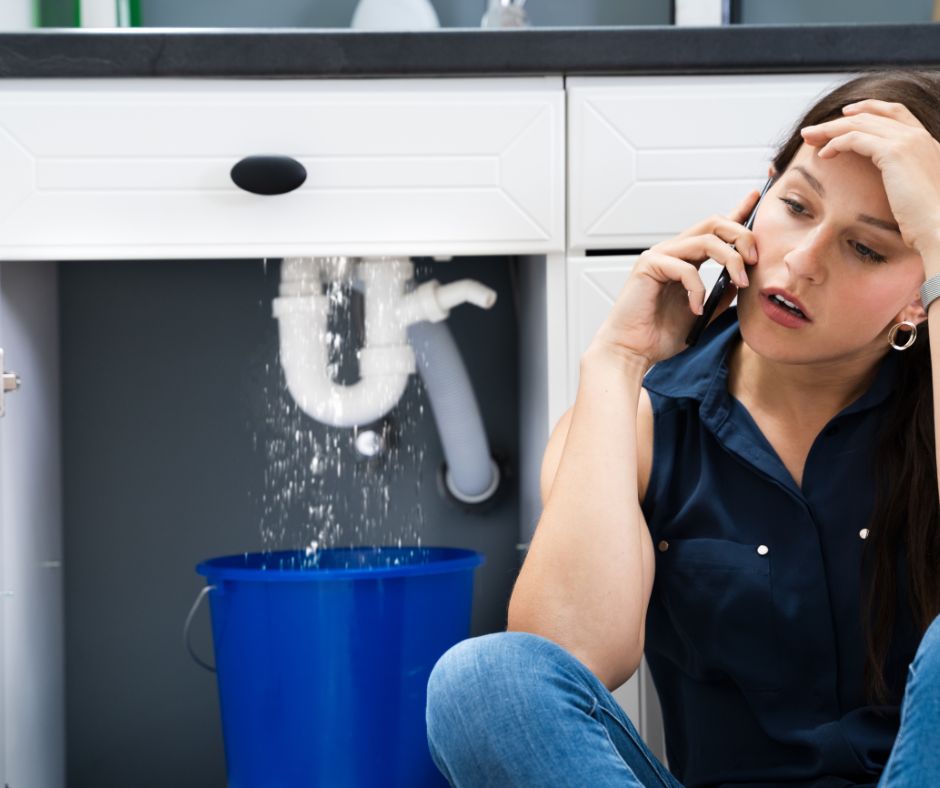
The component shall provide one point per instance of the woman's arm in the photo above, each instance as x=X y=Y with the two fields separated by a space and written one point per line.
x=644 y=435
x=588 y=576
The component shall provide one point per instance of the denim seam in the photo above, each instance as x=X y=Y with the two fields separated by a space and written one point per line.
x=638 y=744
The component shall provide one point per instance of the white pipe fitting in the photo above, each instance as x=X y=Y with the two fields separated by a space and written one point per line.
x=386 y=360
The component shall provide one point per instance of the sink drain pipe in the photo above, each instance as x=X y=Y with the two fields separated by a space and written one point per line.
x=470 y=475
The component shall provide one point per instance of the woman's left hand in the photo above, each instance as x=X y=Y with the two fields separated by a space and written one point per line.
x=908 y=157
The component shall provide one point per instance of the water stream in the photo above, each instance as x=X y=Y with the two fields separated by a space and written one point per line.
x=318 y=491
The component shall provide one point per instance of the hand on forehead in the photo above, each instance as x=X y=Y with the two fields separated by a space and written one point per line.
x=849 y=183
x=907 y=156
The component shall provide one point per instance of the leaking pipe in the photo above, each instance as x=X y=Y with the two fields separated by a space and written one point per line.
x=385 y=362
x=386 y=358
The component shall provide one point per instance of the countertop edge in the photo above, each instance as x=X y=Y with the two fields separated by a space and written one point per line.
x=302 y=53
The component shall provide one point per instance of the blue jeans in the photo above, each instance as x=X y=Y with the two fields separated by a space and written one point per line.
x=514 y=709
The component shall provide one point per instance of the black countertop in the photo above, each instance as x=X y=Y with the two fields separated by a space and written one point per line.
x=299 y=53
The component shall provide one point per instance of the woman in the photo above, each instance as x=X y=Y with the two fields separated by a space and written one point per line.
x=779 y=480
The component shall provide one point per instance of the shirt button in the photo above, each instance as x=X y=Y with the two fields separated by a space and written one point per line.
x=863 y=533
x=663 y=546
x=763 y=550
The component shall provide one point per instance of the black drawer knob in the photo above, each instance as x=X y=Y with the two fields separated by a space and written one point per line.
x=269 y=174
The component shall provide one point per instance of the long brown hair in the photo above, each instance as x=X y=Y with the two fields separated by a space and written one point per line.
x=905 y=523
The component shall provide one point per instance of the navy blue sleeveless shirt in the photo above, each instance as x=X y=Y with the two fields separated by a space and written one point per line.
x=754 y=634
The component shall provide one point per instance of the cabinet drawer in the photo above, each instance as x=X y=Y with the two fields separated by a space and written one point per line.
x=649 y=156
x=593 y=286
x=115 y=168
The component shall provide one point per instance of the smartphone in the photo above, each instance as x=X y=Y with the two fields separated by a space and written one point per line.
x=711 y=303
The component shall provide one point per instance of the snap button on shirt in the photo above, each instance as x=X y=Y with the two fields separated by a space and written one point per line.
x=757 y=653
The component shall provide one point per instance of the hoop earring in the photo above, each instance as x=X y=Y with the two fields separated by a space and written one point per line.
x=911 y=336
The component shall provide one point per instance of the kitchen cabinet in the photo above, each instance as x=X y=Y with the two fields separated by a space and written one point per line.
x=140 y=168
x=129 y=168
x=31 y=585
x=649 y=156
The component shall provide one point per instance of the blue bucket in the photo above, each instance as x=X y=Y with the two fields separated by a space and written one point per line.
x=323 y=661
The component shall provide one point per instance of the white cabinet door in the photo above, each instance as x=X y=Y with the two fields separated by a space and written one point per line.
x=132 y=168
x=31 y=628
x=649 y=156
x=4 y=602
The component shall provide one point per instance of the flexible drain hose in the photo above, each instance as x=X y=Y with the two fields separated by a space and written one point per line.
x=472 y=474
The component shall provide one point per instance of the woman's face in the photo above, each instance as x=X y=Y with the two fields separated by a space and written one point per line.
x=826 y=239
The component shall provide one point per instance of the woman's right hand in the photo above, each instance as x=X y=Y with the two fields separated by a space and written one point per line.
x=659 y=301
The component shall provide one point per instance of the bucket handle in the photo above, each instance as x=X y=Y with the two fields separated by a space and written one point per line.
x=186 y=629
